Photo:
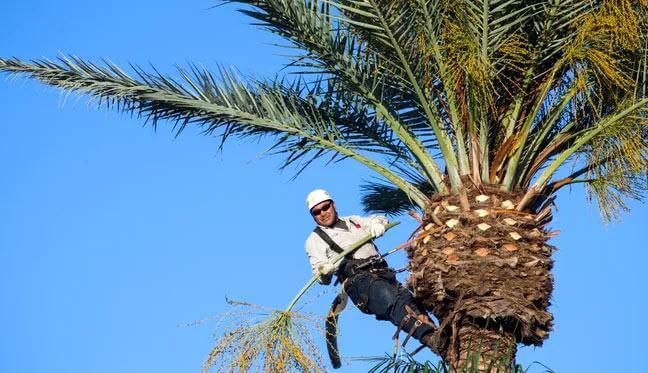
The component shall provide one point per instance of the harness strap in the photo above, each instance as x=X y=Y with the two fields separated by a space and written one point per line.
x=418 y=349
x=415 y=326
x=329 y=241
x=400 y=326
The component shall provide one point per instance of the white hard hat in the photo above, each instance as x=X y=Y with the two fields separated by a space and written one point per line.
x=317 y=196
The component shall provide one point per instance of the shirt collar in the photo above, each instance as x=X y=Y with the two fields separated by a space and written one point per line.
x=340 y=224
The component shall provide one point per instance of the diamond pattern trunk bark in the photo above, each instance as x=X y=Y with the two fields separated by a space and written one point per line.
x=483 y=269
x=482 y=349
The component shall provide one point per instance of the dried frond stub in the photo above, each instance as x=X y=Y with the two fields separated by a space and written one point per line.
x=508 y=205
x=532 y=262
x=453 y=258
x=451 y=208
x=482 y=252
x=449 y=236
x=482 y=198
x=509 y=247
x=429 y=226
x=509 y=221
x=452 y=222
x=512 y=261
x=448 y=251
x=481 y=213
x=535 y=233
x=483 y=226
x=515 y=235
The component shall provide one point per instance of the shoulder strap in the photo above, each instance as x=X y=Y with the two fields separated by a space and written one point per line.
x=329 y=241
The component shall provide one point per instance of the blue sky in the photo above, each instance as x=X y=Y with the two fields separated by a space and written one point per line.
x=113 y=236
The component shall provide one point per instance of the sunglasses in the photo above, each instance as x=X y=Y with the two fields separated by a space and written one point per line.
x=325 y=207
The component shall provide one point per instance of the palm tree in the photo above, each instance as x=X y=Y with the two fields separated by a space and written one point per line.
x=469 y=110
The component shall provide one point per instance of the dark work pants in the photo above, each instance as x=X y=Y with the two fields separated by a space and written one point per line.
x=380 y=294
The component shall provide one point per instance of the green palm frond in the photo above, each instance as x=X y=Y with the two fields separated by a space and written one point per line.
x=602 y=61
x=383 y=198
x=392 y=29
x=407 y=364
x=330 y=47
x=554 y=27
x=224 y=106
x=616 y=165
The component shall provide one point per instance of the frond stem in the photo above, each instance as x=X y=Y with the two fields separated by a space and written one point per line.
x=510 y=177
x=455 y=119
x=444 y=142
x=584 y=139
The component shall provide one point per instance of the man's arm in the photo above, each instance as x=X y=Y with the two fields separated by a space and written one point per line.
x=319 y=261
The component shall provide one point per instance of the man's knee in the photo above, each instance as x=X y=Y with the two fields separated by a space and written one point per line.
x=382 y=298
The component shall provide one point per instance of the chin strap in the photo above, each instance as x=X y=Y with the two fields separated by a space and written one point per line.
x=338 y=305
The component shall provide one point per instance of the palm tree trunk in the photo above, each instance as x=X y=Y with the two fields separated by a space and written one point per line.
x=481 y=349
x=483 y=269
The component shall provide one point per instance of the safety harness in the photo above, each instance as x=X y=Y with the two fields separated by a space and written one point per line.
x=329 y=241
x=348 y=268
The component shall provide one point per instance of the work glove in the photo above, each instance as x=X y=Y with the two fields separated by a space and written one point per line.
x=376 y=228
x=326 y=273
x=326 y=269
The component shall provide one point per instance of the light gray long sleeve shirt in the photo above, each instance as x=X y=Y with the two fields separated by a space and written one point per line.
x=347 y=231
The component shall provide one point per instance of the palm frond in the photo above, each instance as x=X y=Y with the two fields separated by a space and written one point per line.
x=331 y=48
x=618 y=166
x=391 y=29
x=624 y=132
x=591 y=79
x=224 y=106
x=261 y=339
x=407 y=364
x=382 y=198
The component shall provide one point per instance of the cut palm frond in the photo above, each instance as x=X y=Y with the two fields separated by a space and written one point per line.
x=274 y=340
x=260 y=339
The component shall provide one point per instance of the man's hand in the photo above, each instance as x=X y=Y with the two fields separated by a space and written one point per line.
x=376 y=228
x=326 y=269
x=326 y=273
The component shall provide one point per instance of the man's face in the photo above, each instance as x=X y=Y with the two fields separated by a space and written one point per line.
x=324 y=213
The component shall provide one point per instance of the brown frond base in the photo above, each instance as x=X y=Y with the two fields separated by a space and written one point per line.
x=480 y=265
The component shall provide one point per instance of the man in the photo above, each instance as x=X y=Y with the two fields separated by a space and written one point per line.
x=365 y=277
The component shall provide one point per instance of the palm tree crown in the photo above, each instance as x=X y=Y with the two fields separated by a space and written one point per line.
x=501 y=92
